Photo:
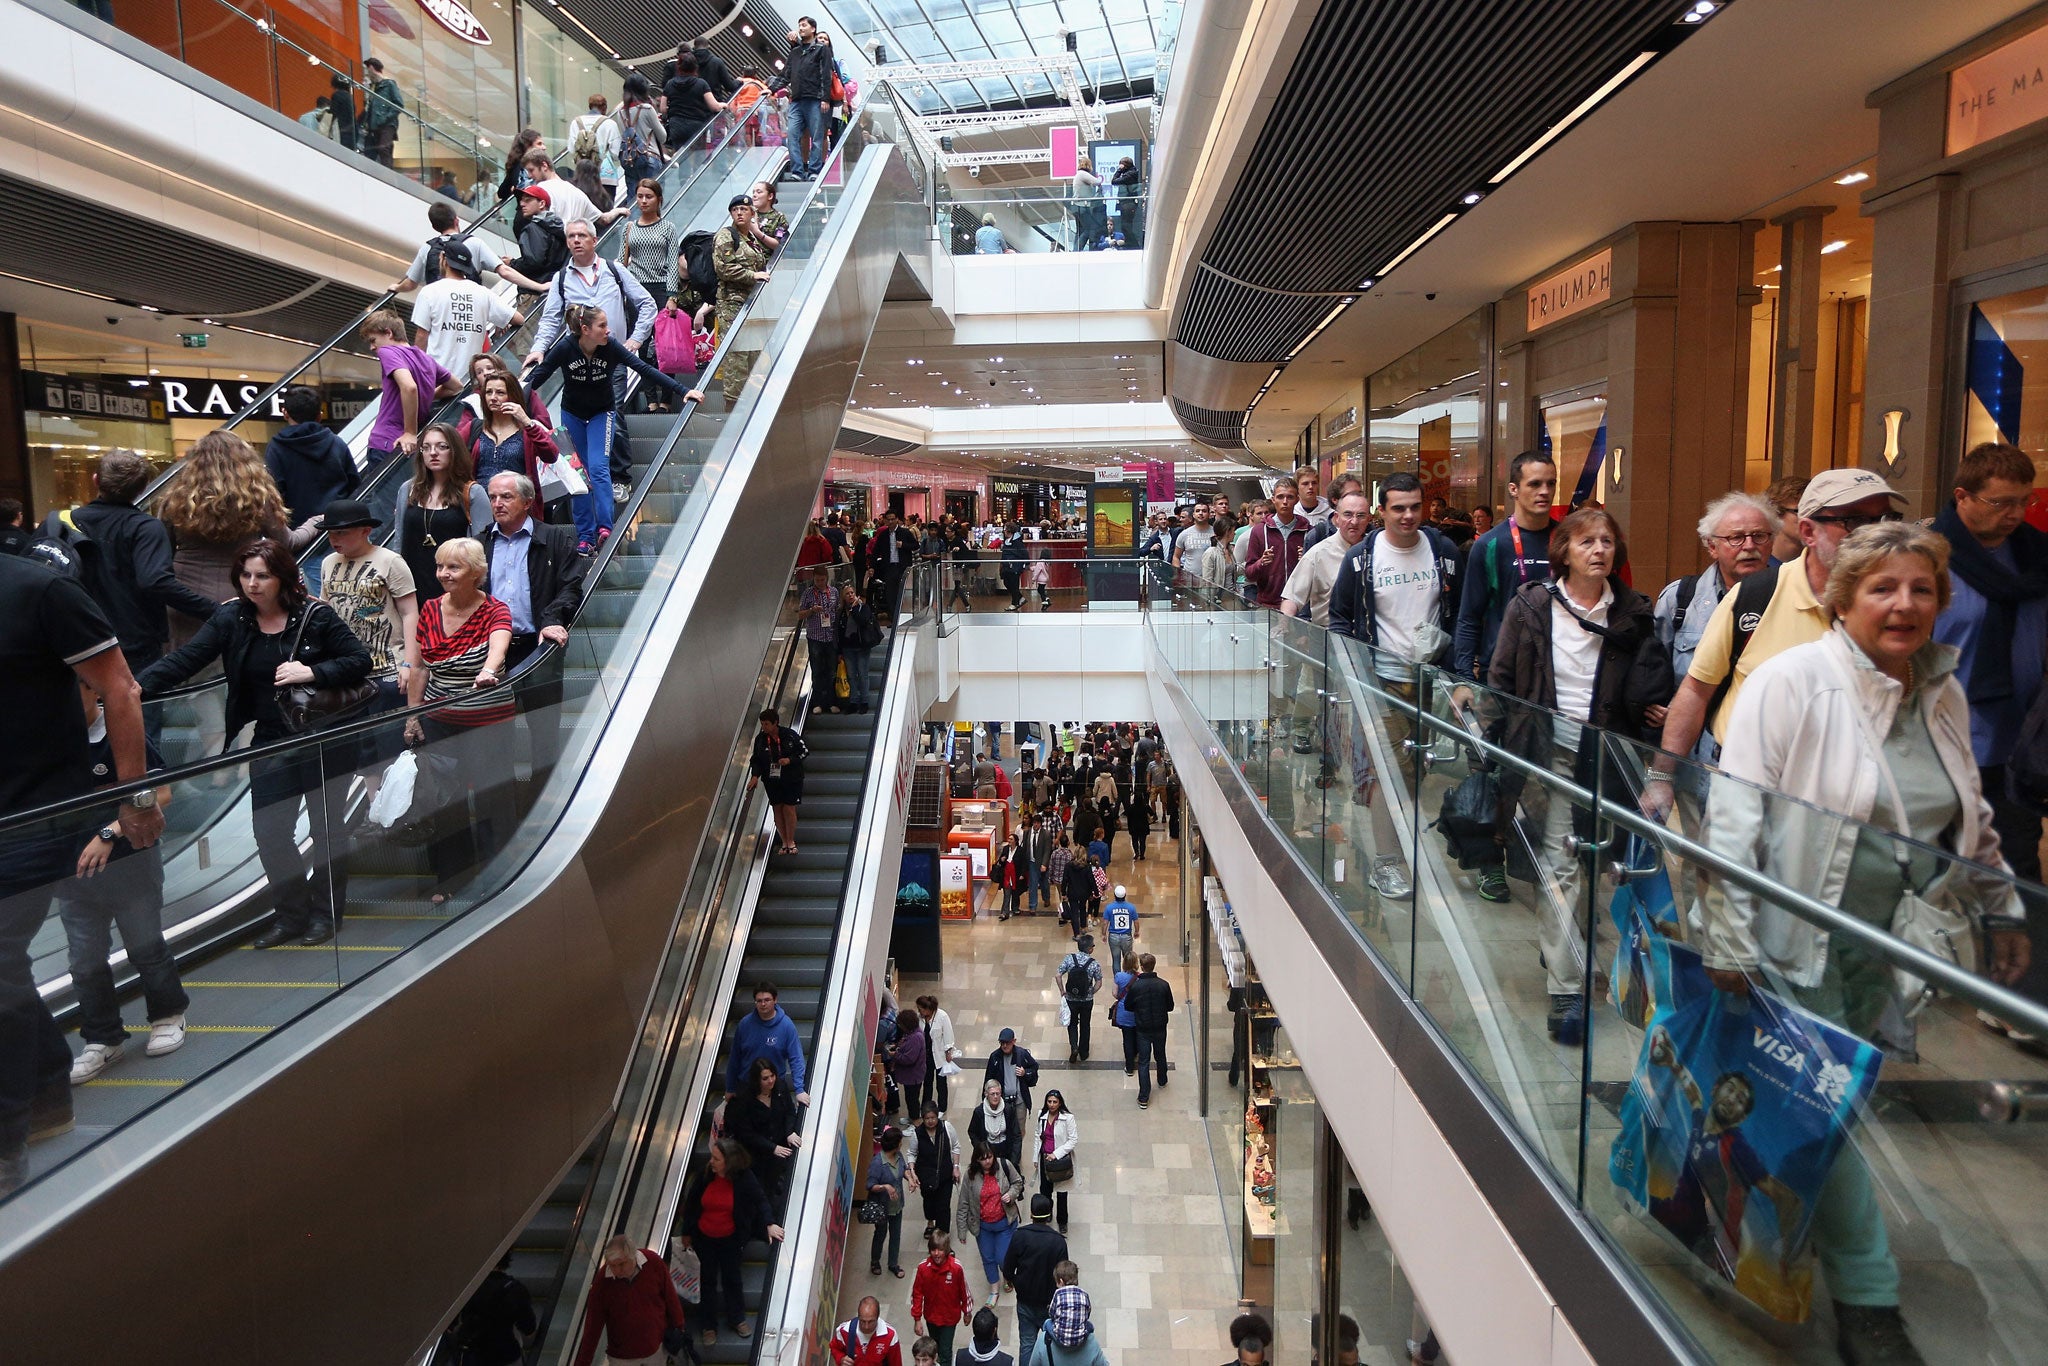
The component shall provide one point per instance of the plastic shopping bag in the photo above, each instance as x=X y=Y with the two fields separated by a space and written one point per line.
x=1737 y=1111
x=394 y=798
x=561 y=479
x=674 y=351
x=685 y=1272
x=1643 y=906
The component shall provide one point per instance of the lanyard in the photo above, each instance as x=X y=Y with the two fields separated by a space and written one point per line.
x=1521 y=563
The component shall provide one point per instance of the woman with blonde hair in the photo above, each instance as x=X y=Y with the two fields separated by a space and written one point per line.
x=441 y=502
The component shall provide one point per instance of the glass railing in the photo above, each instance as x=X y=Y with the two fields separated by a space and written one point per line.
x=1728 y=1144
x=386 y=867
x=1044 y=218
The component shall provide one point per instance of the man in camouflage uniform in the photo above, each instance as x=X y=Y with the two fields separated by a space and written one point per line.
x=742 y=264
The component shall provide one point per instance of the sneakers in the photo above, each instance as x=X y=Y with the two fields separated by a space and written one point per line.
x=995 y=1296
x=1387 y=877
x=95 y=1059
x=622 y=492
x=1567 y=1022
x=1873 y=1335
x=1493 y=884
x=165 y=1036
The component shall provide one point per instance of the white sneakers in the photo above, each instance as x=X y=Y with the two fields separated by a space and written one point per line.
x=165 y=1036
x=93 y=1061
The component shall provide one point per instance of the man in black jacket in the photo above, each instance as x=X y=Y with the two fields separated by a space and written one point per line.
x=1035 y=1251
x=536 y=572
x=807 y=76
x=1149 y=1000
x=1013 y=1066
x=711 y=67
x=889 y=558
x=128 y=570
x=312 y=466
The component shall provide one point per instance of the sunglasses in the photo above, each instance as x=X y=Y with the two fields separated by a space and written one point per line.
x=1856 y=521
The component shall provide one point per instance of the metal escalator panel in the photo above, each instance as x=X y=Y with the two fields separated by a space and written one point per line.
x=457 y=1056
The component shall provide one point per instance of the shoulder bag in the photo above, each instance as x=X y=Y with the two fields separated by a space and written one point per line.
x=305 y=707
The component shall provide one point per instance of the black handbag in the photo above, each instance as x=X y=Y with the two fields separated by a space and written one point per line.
x=1469 y=820
x=304 y=707
x=1057 y=1168
x=872 y=1211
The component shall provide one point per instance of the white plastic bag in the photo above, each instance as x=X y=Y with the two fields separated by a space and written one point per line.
x=1066 y=1013
x=561 y=479
x=394 y=798
x=685 y=1272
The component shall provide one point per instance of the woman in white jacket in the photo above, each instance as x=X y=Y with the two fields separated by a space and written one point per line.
x=941 y=1049
x=1869 y=732
x=1057 y=1135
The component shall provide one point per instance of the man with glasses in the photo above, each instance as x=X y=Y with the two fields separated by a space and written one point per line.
x=1997 y=618
x=1768 y=614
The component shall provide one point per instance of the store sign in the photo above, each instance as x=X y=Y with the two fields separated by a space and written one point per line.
x=91 y=396
x=451 y=15
x=159 y=398
x=1337 y=424
x=1586 y=285
x=1116 y=474
x=2000 y=91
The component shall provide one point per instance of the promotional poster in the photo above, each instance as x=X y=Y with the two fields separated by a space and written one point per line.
x=1737 y=1110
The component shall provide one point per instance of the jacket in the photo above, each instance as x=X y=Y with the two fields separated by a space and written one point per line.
x=554 y=572
x=711 y=67
x=631 y=1315
x=536 y=446
x=1050 y=1353
x=807 y=71
x=749 y=1205
x=883 y=1349
x=774 y=1039
x=933 y=1162
x=543 y=246
x=761 y=1129
x=1797 y=707
x=967 y=1213
x=336 y=656
x=312 y=467
x=1027 y=1073
x=1065 y=1134
x=135 y=580
x=1077 y=884
x=208 y=569
x=906 y=1059
x=1034 y=1251
x=1286 y=545
x=1351 y=604
x=938 y=1295
x=1493 y=575
x=1634 y=672
x=1013 y=1130
x=794 y=749
x=1149 y=1000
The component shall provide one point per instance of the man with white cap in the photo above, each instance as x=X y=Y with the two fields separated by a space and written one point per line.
x=1120 y=923
x=1769 y=613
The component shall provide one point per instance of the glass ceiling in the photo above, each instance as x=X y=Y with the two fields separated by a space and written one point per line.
x=1118 y=42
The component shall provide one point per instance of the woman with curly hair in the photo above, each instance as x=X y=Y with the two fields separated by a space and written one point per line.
x=442 y=502
x=515 y=162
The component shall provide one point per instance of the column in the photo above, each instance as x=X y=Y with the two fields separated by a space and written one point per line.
x=1796 y=354
x=1909 y=320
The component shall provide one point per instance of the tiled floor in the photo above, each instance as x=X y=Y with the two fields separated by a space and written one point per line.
x=1147 y=1224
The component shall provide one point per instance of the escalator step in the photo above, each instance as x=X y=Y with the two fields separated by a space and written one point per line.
x=789 y=940
x=801 y=884
x=551 y=1226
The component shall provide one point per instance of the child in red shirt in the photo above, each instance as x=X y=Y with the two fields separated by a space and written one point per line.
x=938 y=1296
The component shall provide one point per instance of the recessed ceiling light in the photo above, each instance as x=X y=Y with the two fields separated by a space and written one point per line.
x=1853 y=178
x=1468 y=201
x=1831 y=248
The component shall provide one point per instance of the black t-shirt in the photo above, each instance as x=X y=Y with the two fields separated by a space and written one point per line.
x=685 y=95
x=47 y=624
x=259 y=674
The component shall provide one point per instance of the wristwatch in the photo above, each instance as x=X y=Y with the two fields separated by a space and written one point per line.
x=110 y=833
x=142 y=800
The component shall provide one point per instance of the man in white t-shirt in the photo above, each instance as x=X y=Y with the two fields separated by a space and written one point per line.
x=454 y=317
x=1192 y=541
x=568 y=202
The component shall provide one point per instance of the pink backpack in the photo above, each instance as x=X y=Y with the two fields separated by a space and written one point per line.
x=674 y=350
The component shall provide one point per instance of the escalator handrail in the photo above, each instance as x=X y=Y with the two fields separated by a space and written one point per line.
x=101 y=798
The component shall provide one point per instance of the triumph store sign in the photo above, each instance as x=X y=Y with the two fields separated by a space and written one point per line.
x=1586 y=285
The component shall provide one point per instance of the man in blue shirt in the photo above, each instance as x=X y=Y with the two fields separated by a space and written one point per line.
x=767 y=1032
x=1997 y=618
x=536 y=572
x=1514 y=553
x=1120 y=922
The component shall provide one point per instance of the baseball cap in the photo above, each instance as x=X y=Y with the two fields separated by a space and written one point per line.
x=457 y=254
x=1839 y=488
x=347 y=512
x=536 y=192
x=1119 y=892
x=1007 y=1036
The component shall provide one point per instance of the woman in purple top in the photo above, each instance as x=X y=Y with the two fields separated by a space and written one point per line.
x=906 y=1061
x=412 y=381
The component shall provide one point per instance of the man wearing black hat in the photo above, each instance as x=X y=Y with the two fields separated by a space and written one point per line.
x=371 y=589
x=742 y=264
x=536 y=572
x=453 y=317
x=1036 y=1250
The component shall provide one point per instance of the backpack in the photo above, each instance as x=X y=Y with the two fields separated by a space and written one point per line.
x=554 y=244
x=618 y=278
x=1091 y=976
x=585 y=147
x=66 y=547
x=1752 y=597
x=675 y=350
x=703 y=271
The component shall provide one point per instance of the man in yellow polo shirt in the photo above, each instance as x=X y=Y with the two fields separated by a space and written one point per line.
x=1835 y=503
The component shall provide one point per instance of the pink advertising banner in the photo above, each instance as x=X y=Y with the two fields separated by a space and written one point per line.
x=1066 y=152
x=1159 y=481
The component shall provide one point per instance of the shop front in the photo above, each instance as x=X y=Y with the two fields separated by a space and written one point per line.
x=1426 y=413
x=861 y=488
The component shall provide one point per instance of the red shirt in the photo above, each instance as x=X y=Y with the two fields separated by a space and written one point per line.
x=938 y=1295
x=714 y=1218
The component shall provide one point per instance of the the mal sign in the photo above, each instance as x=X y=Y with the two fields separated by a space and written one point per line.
x=1574 y=290
x=2003 y=90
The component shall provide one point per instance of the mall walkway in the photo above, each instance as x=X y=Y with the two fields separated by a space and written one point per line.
x=1147 y=1226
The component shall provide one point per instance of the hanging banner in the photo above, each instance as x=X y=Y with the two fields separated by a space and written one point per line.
x=1737 y=1111
x=1066 y=152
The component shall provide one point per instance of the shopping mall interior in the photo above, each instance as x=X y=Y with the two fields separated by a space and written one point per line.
x=878 y=706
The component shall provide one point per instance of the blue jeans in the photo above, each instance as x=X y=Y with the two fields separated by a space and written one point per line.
x=994 y=1240
x=856 y=676
x=1030 y=1326
x=806 y=119
x=128 y=892
x=1034 y=878
x=592 y=437
x=33 y=1054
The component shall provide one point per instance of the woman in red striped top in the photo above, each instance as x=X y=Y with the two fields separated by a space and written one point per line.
x=458 y=653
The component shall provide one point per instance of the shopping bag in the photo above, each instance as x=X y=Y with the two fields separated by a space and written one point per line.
x=1641 y=907
x=1469 y=818
x=685 y=1272
x=394 y=797
x=561 y=479
x=840 y=686
x=1735 y=1114
x=674 y=352
x=1066 y=1014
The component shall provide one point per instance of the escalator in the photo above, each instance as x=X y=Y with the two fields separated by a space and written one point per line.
x=390 y=1106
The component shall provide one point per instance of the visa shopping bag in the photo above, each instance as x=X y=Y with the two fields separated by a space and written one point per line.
x=1737 y=1110
x=1641 y=907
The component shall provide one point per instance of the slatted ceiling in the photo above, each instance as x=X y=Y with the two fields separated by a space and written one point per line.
x=1221 y=429
x=1392 y=111
x=635 y=28
x=871 y=443
x=60 y=239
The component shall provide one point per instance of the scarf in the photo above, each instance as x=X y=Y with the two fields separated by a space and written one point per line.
x=995 y=1124
x=2003 y=590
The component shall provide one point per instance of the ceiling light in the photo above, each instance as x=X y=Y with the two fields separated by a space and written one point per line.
x=1853 y=178
x=154 y=371
x=1472 y=198
x=1831 y=248
x=746 y=30
x=1584 y=107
